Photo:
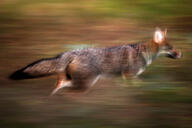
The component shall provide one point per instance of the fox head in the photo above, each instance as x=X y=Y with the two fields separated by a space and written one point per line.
x=164 y=48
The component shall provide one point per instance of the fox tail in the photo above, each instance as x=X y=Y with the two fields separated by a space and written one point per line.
x=42 y=67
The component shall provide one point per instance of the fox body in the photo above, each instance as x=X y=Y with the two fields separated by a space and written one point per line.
x=81 y=68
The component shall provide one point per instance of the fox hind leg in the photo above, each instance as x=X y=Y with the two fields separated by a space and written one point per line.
x=61 y=83
x=79 y=83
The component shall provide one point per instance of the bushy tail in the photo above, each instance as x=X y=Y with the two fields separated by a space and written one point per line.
x=40 y=68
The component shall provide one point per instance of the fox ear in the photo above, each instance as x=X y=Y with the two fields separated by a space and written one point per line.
x=159 y=36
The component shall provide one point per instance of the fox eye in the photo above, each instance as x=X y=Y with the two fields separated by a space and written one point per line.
x=167 y=47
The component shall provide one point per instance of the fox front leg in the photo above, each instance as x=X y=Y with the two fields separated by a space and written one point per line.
x=127 y=75
x=131 y=79
x=131 y=73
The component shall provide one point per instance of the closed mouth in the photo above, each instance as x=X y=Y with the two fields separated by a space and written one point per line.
x=174 y=54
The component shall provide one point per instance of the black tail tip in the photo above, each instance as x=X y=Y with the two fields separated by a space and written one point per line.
x=19 y=75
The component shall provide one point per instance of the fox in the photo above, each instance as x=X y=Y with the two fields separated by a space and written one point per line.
x=81 y=68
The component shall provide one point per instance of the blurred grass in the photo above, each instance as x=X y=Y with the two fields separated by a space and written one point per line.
x=140 y=8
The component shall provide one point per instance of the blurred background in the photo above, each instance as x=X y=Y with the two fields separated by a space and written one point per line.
x=34 y=29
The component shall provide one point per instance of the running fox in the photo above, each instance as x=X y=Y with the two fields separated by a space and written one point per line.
x=81 y=68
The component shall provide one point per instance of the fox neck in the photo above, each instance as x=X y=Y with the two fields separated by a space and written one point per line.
x=149 y=52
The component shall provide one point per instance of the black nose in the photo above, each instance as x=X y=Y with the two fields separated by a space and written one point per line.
x=176 y=54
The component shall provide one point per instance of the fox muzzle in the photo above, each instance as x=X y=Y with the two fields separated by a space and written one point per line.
x=174 y=54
